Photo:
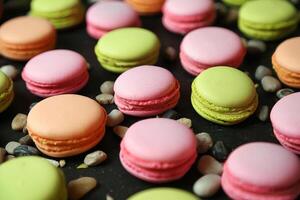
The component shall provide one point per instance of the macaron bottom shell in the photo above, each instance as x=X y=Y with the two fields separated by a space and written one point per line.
x=292 y=144
x=5 y=103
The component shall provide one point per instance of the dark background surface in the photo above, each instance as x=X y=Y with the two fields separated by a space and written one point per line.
x=112 y=178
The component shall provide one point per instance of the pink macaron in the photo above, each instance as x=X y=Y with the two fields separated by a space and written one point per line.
x=211 y=46
x=261 y=171
x=106 y=16
x=55 y=72
x=184 y=16
x=285 y=118
x=158 y=150
x=146 y=91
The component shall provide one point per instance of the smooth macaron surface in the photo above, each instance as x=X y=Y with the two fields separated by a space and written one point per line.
x=235 y=2
x=52 y=6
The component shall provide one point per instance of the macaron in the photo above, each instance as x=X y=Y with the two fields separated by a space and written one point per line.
x=66 y=125
x=211 y=46
x=261 y=171
x=148 y=7
x=268 y=19
x=158 y=150
x=106 y=16
x=184 y=16
x=125 y=48
x=55 y=72
x=286 y=121
x=224 y=95
x=31 y=178
x=138 y=93
x=62 y=14
x=22 y=38
x=163 y=193
x=235 y=3
x=6 y=91
x=286 y=62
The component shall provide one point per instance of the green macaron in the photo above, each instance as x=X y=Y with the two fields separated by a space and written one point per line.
x=6 y=91
x=268 y=19
x=31 y=178
x=224 y=95
x=62 y=13
x=124 y=48
x=235 y=2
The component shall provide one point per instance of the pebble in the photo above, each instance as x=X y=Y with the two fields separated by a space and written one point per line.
x=185 y=121
x=263 y=114
x=82 y=166
x=25 y=130
x=107 y=87
x=19 y=122
x=10 y=147
x=62 y=163
x=79 y=187
x=209 y=165
x=231 y=16
x=221 y=9
x=220 y=151
x=204 y=142
x=2 y=155
x=262 y=71
x=295 y=2
x=171 y=114
x=108 y=197
x=105 y=99
x=27 y=140
x=270 y=84
x=114 y=118
x=284 y=92
x=244 y=41
x=256 y=47
x=53 y=162
x=25 y=150
x=170 y=54
x=95 y=158
x=10 y=70
x=9 y=157
x=31 y=105
x=207 y=185
x=120 y=131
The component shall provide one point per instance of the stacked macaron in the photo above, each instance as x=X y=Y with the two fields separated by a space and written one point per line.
x=6 y=91
x=158 y=150
x=148 y=7
x=183 y=16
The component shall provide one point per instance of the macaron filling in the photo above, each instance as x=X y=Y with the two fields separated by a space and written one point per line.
x=290 y=143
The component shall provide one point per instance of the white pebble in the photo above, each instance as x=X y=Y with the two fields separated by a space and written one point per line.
x=185 y=121
x=53 y=162
x=10 y=147
x=209 y=165
x=114 y=118
x=105 y=99
x=95 y=158
x=262 y=71
x=256 y=46
x=19 y=122
x=107 y=87
x=270 y=84
x=79 y=187
x=10 y=70
x=62 y=163
x=204 y=142
x=207 y=185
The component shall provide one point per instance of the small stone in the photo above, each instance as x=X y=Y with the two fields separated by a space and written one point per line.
x=25 y=130
x=256 y=47
x=120 y=130
x=221 y=9
x=185 y=121
x=207 y=185
x=170 y=54
x=53 y=162
x=2 y=155
x=270 y=84
x=295 y=2
x=31 y=105
x=10 y=71
x=262 y=71
x=244 y=41
x=108 y=197
x=209 y=165
x=27 y=140
x=19 y=122
x=220 y=151
x=231 y=16
x=62 y=163
x=9 y=157
x=88 y=66
x=107 y=87
x=171 y=114
x=105 y=99
x=114 y=118
x=284 y=92
x=79 y=187
x=204 y=142
x=256 y=85
x=25 y=150
x=263 y=114
x=10 y=147
x=95 y=158
x=82 y=166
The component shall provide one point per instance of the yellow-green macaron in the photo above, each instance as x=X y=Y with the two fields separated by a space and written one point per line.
x=235 y=2
x=6 y=91
x=224 y=95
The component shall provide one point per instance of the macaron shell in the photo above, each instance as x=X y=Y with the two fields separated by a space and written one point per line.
x=6 y=91
x=53 y=5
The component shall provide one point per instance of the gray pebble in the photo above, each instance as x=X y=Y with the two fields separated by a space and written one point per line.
x=105 y=99
x=10 y=147
x=209 y=165
x=2 y=155
x=53 y=162
x=114 y=118
x=107 y=87
x=284 y=92
x=221 y=9
x=120 y=131
x=231 y=16
x=27 y=140
x=270 y=84
x=207 y=185
x=220 y=151
x=25 y=150
x=19 y=122
x=25 y=130
x=62 y=163
x=204 y=142
x=31 y=105
x=95 y=158
x=79 y=187
x=263 y=114
x=262 y=71
x=185 y=121
x=296 y=2
x=108 y=197
x=256 y=47
x=10 y=71
x=170 y=54
x=171 y=114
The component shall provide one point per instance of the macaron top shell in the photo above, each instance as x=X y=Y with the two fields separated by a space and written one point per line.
x=144 y=83
x=4 y=83
x=53 y=5
x=264 y=165
x=65 y=116
x=212 y=45
x=225 y=86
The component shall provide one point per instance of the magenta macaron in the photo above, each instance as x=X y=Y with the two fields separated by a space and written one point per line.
x=261 y=171
x=285 y=118
x=183 y=16
x=211 y=46
x=106 y=16
x=55 y=72
x=158 y=150
x=146 y=91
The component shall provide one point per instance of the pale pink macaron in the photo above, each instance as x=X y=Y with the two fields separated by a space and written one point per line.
x=158 y=150
x=146 y=91
x=261 y=171
x=184 y=16
x=55 y=72
x=106 y=16
x=211 y=46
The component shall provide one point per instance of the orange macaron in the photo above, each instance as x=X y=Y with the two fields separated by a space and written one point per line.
x=66 y=125
x=146 y=7
x=22 y=38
